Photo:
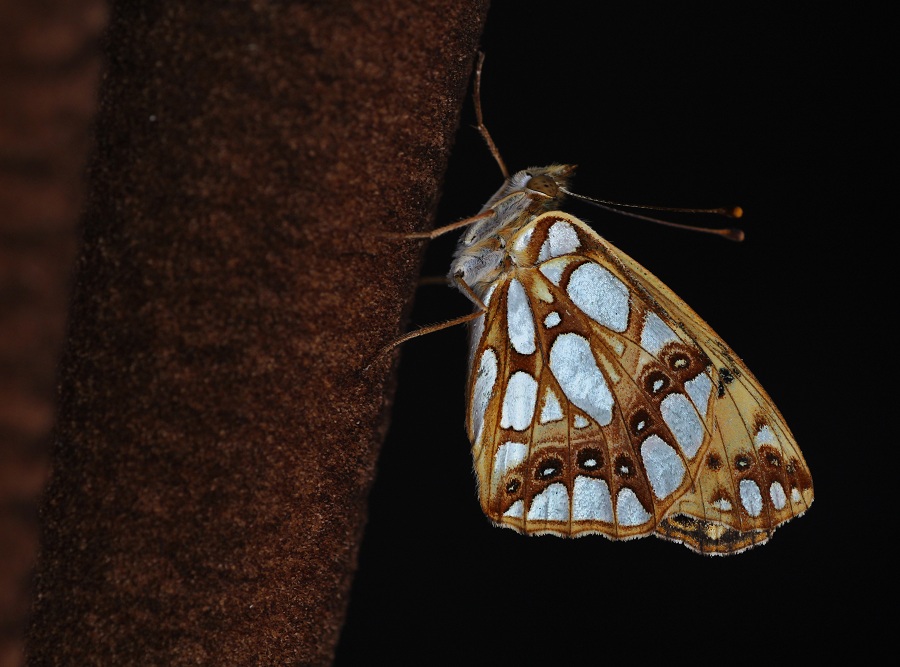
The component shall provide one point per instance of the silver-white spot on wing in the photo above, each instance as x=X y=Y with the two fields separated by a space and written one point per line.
x=602 y=296
x=580 y=421
x=481 y=394
x=477 y=330
x=519 y=319
x=551 y=410
x=553 y=270
x=751 y=498
x=551 y=504
x=765 y=436
x=664 y=467
x=576 y=371
x=656 y=334
x=681 y=417
x=562 y=239
x=722 y=504
x=591 y=500
x=516 y=510
x=552 y=320
x=776 y=493
x=699 y=390
x=523 y=240
x=508 y=456
x=519 y=401
x=629 y=510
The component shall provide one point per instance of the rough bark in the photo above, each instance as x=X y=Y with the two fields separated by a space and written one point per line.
x=217 y=439
x=49 y=69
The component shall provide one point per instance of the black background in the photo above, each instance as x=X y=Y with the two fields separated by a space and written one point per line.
x=682 y=106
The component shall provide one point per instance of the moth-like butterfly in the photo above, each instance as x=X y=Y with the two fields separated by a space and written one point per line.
x=598 y=401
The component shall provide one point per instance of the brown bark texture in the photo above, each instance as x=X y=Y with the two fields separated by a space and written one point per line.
x=49 y=70
x=217 y=436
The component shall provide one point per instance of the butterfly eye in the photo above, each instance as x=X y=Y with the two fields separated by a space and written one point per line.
x=543 y=184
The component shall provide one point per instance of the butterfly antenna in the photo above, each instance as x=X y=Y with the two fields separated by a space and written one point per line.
x=482 y=129
x=730 y=233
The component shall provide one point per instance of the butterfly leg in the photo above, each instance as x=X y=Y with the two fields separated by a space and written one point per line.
x=433 y=280
x=479 y=118
x=421 y=332
x=480 y=309
x=469 y=292
x=439 y=231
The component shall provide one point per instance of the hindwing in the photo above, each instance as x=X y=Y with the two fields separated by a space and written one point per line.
x=599 y=402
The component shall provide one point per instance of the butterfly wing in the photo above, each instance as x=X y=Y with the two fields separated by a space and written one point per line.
x=753 y=477
x=601 y=403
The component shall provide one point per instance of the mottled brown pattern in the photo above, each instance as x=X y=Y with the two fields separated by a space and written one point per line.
x=708 y=536
x=217 y=440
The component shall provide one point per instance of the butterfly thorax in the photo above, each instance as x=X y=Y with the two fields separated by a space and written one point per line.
x=482 y=253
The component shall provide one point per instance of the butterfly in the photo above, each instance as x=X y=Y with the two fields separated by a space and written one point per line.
x=599 y=402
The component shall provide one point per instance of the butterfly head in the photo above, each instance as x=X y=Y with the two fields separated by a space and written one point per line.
x=541 y=183
x=481 y=251
x=524 y=194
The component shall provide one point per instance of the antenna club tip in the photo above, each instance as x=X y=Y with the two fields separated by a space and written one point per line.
x=737 y=212
x=735 y=235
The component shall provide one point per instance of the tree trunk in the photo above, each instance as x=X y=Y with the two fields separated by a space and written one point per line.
x=217 y=435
